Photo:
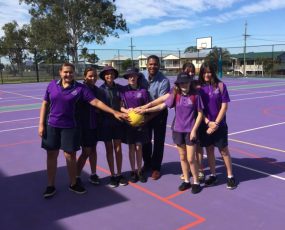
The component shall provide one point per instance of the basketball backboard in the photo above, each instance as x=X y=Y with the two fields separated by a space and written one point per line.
x=204 y=43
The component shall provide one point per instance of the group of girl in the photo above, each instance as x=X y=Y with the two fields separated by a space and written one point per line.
x=75 y=114
x=70 y=118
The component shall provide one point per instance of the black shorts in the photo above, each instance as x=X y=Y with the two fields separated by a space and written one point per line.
x=182 y=138
x=67 y=139
x=136 y=135
x=219 y=138
x=88 y=137
x=109 y=133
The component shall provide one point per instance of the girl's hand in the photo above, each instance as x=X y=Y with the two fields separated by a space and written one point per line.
x=210 y=131
x=193 y=136
x=121 y=116
x=213 y=125
x=140 y=110
x=41 y=130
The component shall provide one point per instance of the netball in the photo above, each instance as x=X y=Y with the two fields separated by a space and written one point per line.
x=135 y=118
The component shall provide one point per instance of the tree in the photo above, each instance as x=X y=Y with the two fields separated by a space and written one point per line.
x=191 y=49
x=81 y=22
x=44 y=37
x=126 y=64
x=213 y=56
x=13 y=44
x=92 y=58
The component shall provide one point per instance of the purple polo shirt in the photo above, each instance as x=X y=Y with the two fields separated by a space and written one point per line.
x=133 y=98
x=88 y=113
x=63 y=103
x=213 y=99
x=185 y=111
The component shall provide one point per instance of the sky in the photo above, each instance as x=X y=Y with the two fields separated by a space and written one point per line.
x=176 y=24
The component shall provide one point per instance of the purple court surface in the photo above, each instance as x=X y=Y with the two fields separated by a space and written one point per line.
x=256 y=119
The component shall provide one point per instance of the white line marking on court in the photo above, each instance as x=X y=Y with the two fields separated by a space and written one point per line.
x=251 y=98
x=262 y=127
x=244 y=167
x=19 y=99
x=24 y=119
x=21 y=94
x=256 y=145
x=255 y=170
x=257 y=92
x=9 y=130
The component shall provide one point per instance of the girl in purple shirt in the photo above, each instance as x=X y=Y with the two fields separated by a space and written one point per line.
x=88 y=125
x=214 y=132
x=58 y=124
x=188 y=116
x=133 y=96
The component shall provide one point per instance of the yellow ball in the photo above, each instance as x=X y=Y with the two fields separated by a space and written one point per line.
x=135 y=118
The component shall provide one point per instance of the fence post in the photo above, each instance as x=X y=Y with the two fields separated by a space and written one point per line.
x=37 y=66
x=271 y=72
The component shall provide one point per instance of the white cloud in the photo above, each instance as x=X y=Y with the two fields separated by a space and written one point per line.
x=249 y=9
x=162 y=27
x=13 y=11
x=136 y=11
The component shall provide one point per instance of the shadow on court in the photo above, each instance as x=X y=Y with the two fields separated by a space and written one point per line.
x=246 y=172
x=23 y=206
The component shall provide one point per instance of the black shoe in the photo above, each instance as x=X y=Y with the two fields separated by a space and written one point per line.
x=196 y=188
x=77 y=188
x=184 y=186
x=134 y=177
x=113 y=182
x=142 y=177
x=94 y=179
x=231 y=183
x=122 y=180
x=50 y=191
x=211 y=181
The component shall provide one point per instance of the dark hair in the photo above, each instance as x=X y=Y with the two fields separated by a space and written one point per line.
x=87 y=70
x=208 y=65
x=188 y=65
x=67 y=64
x=153 y=57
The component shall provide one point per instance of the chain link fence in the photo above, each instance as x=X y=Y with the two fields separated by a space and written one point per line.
x=28 y=66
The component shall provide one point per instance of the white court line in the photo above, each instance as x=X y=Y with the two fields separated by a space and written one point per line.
x=244 y=167
x=251 y=98
x=21 y=94
x=258 y=92
x=256 y=145
x=9 y=130
x=20 y=99
x=261 y=127
x=24 y=119
x=255 y=170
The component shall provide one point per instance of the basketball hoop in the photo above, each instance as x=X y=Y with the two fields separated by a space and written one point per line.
x=204 y=43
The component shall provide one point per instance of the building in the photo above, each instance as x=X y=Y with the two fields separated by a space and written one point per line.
x=256 y=63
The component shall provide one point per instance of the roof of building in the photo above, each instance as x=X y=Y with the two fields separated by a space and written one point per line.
x=256 y=55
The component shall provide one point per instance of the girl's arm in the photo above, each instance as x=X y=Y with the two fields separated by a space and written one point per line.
x=156 y=102
x=193 y=134
x=99 y=104
x=156 y=108
x=43 y=111
x=215 y=124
